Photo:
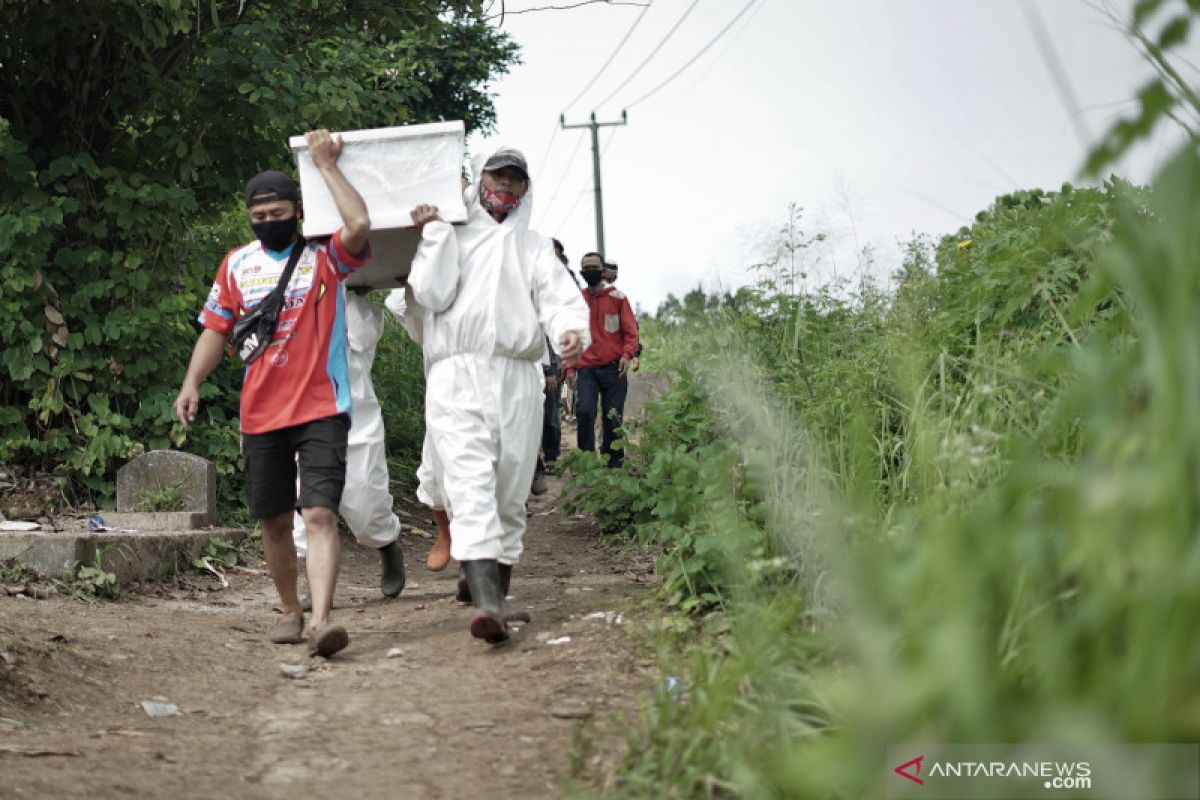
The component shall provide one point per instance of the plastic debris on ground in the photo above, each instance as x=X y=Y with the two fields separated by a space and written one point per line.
x=571 y=713
x=559 y=640
x=19 y=527
x=675 y=688
x=293 y=671
x=156 y=708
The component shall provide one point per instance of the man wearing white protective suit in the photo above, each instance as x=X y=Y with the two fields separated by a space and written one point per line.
x=429 y=485
x=490 y=291
x=366 y=503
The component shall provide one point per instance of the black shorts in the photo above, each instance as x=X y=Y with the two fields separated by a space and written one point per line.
x=271 y=465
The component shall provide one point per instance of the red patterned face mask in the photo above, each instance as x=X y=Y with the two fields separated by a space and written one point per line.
x=498 y=202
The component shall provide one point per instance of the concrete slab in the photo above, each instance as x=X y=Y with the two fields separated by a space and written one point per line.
x=129 y=556
x=142 y=521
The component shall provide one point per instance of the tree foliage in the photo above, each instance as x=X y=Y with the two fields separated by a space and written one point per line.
x=127 y=128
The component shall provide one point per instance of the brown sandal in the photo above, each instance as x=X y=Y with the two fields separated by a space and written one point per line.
x=326 y=641
x=289 y=629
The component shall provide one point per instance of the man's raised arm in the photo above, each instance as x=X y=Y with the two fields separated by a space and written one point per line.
x=356 y=222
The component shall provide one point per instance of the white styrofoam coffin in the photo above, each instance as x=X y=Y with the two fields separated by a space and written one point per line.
x=395 y=170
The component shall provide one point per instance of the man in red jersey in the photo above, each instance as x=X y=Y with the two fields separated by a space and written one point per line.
x=601 y=373
x=295 y=398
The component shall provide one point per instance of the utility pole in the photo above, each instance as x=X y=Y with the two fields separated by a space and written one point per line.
x=599 y=199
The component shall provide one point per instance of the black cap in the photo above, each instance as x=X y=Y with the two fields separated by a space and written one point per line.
x=266 y=187
x=507 y=157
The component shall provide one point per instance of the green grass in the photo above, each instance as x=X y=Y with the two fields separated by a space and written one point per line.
x=399 y=379
x=965 y=511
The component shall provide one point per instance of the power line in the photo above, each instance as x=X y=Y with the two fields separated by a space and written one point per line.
x=605 y=65
x=612 y=135
x=585 y=190
x=579 y=4
x=694 y=58
x=541 y=163
x=737 y=34
x=653 y=52
x=565 y=172
x=546 y=155
x=594 y=126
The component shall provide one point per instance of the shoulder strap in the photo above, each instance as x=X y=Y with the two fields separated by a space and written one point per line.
x=281 y=287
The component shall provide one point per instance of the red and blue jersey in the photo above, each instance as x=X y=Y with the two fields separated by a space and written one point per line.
x=304 y=374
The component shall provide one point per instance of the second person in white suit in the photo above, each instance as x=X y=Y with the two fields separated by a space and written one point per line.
x=367 y=499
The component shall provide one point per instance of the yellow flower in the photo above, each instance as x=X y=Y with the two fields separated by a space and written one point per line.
x=964 y=244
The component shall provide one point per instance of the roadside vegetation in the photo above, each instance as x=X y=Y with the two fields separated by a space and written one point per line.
x=963 y=509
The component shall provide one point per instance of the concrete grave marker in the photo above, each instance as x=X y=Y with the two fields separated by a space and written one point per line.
x=150 y=555
x=643 y=388
x=166 y=490
x=164 y=498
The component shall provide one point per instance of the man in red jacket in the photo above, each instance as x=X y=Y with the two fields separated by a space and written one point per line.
x=601 y=373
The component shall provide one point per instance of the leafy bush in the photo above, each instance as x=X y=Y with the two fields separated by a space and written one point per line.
x=399 y=379
x=683 y=487
x=90 y=582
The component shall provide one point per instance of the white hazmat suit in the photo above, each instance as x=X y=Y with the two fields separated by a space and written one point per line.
x=366 y=499
x=429 y=487
x=489 y=292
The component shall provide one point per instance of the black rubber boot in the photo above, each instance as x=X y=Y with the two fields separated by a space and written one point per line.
x=505 y=582
x=391 y=582
x=487 y=623
x=539 y=480
x=505 y=579
x=464 y=588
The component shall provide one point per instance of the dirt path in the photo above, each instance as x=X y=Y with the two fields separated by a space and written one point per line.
x=447 y=718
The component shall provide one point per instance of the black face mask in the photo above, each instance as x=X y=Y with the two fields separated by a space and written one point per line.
x=592 y=276
x=275 y=234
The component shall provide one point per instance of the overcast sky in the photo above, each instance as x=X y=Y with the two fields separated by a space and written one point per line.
x=880 y=117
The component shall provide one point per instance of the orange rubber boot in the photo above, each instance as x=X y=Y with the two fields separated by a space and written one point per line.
x=439 y=556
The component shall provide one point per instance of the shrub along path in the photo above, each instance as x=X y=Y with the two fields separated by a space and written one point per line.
x=445 y=717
